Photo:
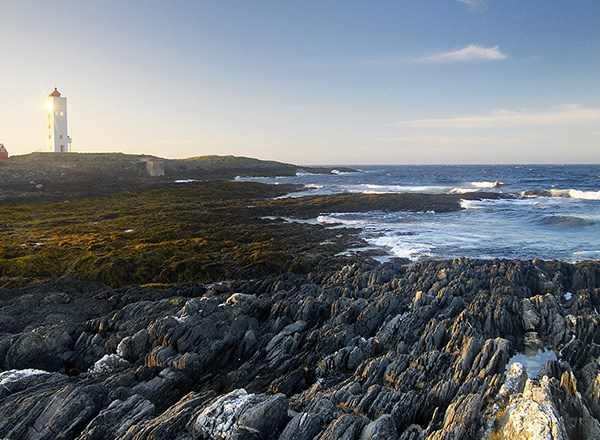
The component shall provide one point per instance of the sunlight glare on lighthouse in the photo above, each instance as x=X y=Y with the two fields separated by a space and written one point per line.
x=58 y=140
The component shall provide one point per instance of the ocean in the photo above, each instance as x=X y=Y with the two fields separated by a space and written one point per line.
x=555 y=213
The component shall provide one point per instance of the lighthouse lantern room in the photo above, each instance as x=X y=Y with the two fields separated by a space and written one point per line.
x=58 y=140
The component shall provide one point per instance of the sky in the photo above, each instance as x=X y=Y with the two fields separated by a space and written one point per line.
x=308 y=82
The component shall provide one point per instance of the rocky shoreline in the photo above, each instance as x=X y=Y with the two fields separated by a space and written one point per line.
x=365 y=351
x=45 y=177
x=145 y=309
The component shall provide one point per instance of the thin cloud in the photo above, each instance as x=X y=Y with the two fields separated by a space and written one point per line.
x=436 y=140
x=568 y=114
x=472 y=52
x=474 y=5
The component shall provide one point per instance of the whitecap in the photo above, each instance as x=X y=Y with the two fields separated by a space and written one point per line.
x=399 y=249
x=560 y=193
x=564 y=193
x=469 y=204
x=462 y=190
x=385 y=189
x=484 y=184
x=587 y=195
x=332 y=219
x=342 y=173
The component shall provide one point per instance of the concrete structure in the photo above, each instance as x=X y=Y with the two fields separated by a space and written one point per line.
x=57 y=138
x=155 y=167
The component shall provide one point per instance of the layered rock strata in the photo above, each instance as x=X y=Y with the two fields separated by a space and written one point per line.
x=366 y=352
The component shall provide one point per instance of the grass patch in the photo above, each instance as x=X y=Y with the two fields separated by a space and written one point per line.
x=199 y=232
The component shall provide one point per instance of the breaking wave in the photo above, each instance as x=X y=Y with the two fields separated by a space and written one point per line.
x=484 y=184
x=565 y=193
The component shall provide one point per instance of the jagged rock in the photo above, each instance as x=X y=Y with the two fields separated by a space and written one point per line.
x=367 y=351
x=515 y=381
x=173 y=423
x=533 y=414
x=41 y=413
x=531 y=319
x=345 y=427
x=133 y=347
x=383 y=428
x=13 y=381
x=239 y=415
x=308 y=424
x=460 y=418
x=117 y=418
x=109 y=363
x=30 y=350
x=413 y=432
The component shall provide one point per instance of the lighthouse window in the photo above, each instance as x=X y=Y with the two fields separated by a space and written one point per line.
x=60 y=137
x=49 y=136
x=62 y=113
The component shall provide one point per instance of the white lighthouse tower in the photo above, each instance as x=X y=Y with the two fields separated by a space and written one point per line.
x=58 y=140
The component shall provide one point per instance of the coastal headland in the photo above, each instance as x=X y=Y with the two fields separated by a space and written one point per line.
x=135 y=307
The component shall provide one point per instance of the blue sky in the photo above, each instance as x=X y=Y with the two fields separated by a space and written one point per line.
x=340 y=82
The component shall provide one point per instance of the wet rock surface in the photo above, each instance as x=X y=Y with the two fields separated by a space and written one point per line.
x=368 y=351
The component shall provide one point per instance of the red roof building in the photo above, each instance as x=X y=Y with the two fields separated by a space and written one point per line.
x=3 y=153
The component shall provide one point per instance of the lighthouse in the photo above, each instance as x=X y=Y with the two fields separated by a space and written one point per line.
x=58 y=140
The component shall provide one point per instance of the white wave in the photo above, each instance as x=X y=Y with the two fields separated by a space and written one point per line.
x=255 y=179
x=564 y=193
x=302 y=174
x=398 y=248
x=587 y=195
x=462 y=190
x=332 y=219
x=313 y=186
x=368 y=188
x=290 y=219
x=342 y=173
x=469 y=204
x=560 y=193
x=484 y=184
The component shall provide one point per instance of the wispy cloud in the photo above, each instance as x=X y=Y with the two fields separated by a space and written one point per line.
x=568 y=114
x=442 y=140
x=472 y=52
x=474 y=5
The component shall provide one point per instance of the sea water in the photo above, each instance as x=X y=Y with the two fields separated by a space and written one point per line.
x=555 y=212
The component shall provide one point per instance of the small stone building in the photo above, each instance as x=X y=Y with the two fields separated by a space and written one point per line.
x=3 y=153
x=155 y=167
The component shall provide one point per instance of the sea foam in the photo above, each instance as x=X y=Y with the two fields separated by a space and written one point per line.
x=485 y=184
x=564 y=193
